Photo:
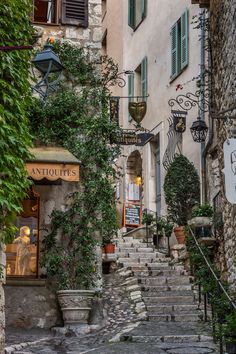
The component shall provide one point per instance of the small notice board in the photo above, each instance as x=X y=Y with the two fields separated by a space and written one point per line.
x=132 y=214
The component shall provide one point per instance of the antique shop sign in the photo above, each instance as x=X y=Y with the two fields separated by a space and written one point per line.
x=132 y=214
x=52 y=172
x=230 y=169
x=124 y=137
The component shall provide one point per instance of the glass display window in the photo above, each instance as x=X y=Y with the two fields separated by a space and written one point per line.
x=22 y=253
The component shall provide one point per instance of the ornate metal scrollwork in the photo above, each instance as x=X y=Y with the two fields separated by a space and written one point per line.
x=174 y=145
x=198 y=99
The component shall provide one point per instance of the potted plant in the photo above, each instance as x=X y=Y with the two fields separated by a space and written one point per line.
x=182 y=192
x=69 y=259
x=202 y=220
x=229 y=333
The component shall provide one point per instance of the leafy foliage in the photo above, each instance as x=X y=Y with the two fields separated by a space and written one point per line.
x=77 y=118
x=182 y=190
x=203 y=210
x=15 y=30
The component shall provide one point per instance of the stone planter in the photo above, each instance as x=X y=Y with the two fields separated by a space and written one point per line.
x=75 y=305
x=202 y=226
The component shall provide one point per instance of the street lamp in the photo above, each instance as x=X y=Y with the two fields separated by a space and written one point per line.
x=199 y=130
x=47 y=62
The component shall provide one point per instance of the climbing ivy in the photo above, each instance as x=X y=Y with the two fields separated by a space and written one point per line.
x=15 y=30
x=77 y=118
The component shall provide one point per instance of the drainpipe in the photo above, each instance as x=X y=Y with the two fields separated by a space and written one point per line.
x=205 y=149
x=202 y=113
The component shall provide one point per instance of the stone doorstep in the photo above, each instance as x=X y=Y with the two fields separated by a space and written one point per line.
x=145 y=249
x=173 y=317
x=167 y=339
x=168 y=299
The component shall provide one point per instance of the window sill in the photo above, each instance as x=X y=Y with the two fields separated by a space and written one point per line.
x=25 y=282
x=45 y=24
x=175 y=77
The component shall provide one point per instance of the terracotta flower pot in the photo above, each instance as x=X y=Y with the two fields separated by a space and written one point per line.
x=179 y=234
x=110 y=248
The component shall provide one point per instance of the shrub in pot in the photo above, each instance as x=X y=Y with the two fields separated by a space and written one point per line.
x=69 y=258
x=182 y=192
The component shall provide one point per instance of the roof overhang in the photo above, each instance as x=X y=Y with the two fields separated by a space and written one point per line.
x=53 y=163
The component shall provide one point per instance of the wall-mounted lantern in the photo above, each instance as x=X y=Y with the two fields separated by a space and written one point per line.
x=199 y=130
x=47 y=62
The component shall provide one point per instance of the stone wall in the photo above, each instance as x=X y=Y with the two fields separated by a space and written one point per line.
x=223 y=34
x=84 y=37
x=2 y=299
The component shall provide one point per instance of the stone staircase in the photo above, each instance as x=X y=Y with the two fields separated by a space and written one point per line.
x=167 y=290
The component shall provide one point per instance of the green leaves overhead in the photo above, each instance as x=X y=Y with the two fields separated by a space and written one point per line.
x=15 y=30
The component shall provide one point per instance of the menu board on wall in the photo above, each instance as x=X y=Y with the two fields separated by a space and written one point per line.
x=133 y=191
x=132 y=214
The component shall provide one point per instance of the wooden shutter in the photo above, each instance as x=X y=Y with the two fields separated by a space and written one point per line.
x=75 y=12
x=144 y=8
x=144 y=78
x=130 y=91
x=184 y=40
x=131 y=13
x=174 y=50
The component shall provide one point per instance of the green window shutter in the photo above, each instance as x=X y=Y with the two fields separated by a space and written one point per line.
x=144 y=8
x=130 y=91
x=184 y=40
x=144 y=78
x=174 y=50
x=131 y=13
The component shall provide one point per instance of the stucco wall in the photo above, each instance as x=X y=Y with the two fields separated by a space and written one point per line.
x=223 y=34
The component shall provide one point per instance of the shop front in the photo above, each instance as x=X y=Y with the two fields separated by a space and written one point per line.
x=29 y=303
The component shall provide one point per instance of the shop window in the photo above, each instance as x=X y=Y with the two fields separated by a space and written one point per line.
x=22 y=253
x=67 y=12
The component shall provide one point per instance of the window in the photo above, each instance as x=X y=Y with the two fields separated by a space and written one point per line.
x=66 y=12
x=22 y=253
x=179 y=45
x=138 y=83
x=136 y=12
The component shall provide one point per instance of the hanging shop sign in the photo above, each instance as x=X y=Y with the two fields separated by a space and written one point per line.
x=132 y=214
x=179 y=121
x=124 y=137
x=137 y=110
x=230 y=169
x=53 y=172
x=114 y=109
x=131 y=137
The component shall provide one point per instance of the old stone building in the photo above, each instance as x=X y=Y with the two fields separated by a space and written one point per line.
x=222 y=35
x=29 y=303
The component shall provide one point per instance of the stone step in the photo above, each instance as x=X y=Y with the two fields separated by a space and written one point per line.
x=145 y=249
x=125 y=247
x=152 y=292
x=166 y=288
x=194 y=338
x=151 y=255
x=190 y=317
x=161 y=280
x=168 y=299
x=169 y=309
x=167 y=272
x=159 y=266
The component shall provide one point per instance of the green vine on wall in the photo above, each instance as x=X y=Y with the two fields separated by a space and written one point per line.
x=15 y=30
x=77 y=118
